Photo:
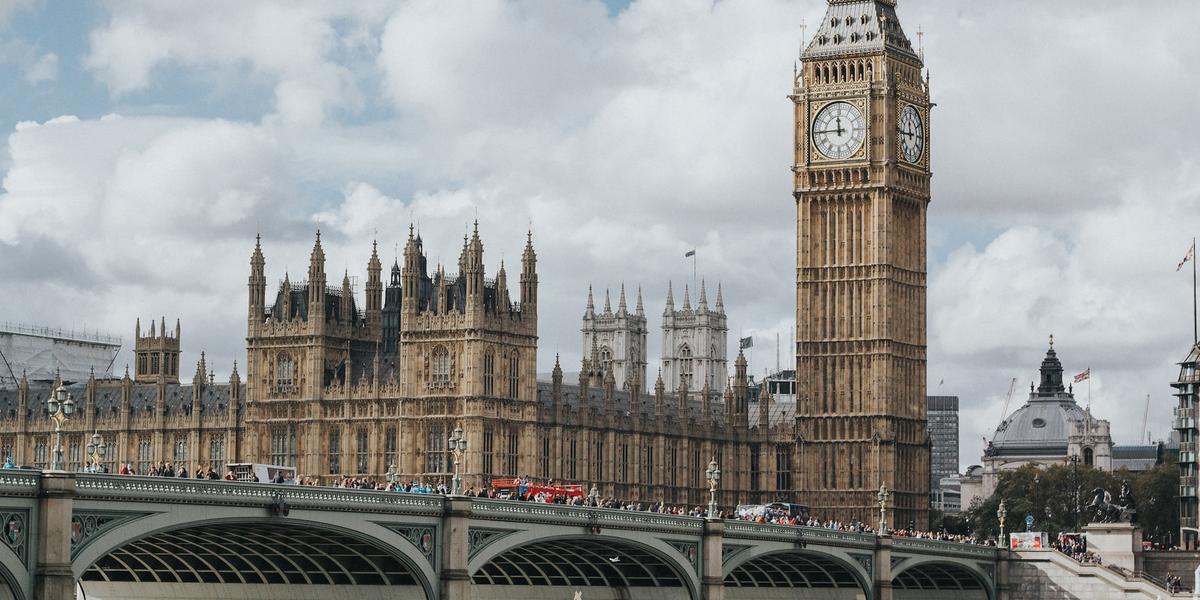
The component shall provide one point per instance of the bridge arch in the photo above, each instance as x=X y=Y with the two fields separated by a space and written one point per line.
x=623 y=565
x=160 y=553
x=938 y=579
x=837 y=574
x=11 y=573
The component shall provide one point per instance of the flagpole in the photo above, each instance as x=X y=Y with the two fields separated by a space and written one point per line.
x=1195 y=336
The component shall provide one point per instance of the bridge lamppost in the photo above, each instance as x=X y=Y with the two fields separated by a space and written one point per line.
x=458 y=447
x=1075 y=482
x=1000 y=514
x=392 y=476
x=713 y=474
x=96 y=450
x=61 y=406
x=882 y=497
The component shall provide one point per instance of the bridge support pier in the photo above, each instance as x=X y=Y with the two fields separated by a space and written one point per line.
x=456 y=579
x=712 y=578
x=56 y=500
x=883 y=567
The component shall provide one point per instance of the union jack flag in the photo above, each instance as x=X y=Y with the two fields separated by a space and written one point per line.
x=1087 y=373
x=1191 y=255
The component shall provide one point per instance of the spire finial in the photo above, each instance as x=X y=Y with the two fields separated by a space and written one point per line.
x=1052 y=341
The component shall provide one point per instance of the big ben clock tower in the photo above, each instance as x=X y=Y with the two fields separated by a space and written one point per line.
x=861 y=189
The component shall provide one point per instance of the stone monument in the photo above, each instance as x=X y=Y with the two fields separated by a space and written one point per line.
x=1113 y=535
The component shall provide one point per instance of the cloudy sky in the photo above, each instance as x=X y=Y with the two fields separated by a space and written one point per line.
x=147 y=143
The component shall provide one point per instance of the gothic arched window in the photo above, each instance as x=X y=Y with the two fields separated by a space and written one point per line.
x=514 y=374
x=1088 y=457
x=441 y=366
x=685 y=363
x=285 y=370
x=489 y=373
x=606 y=358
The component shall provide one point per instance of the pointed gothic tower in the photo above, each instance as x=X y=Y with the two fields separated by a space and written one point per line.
x=861 y=108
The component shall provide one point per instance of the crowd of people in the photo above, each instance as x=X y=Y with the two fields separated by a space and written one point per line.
x=783 y=518
x=776 y=517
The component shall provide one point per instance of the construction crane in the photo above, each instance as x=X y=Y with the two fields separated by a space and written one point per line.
x=1011 y=386
x=1146 y=420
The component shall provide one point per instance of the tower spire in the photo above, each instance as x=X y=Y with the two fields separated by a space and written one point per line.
x=621 y=309
x=590 y=311
x=687 y=301
x=640 y=311
x=607 y=303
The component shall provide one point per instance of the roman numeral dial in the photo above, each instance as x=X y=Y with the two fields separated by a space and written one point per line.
x=839 y=130
x=912 y=134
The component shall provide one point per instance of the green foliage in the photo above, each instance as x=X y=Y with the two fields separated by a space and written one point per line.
x=1049 y=494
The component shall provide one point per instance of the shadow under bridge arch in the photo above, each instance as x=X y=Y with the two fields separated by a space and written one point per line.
x=253 y=559
x=604 y=568
x=808 y=574
x=939 y=581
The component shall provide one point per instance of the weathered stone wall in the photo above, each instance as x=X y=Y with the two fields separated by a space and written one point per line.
x=1049 y=575
x=1176 y=562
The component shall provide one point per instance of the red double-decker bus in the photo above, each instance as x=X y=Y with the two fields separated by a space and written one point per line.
x=542 y=491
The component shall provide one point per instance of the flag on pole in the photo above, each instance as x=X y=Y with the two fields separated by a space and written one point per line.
x=1190 y=255
x=1086 y=374
x=690 y=253
x=746 y=342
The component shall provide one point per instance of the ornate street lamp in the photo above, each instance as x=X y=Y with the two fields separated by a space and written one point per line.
x=61 y=406
x=882 y=497
x=1075 y=482
x=96 y=451
x=393 y=476
x=458 y=447
x=1000 y=514
x=713 y=474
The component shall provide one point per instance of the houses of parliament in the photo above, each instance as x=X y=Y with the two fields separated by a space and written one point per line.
x=338 y=388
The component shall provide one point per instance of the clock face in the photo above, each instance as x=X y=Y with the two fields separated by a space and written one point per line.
x=839 y=130
x=912 y=134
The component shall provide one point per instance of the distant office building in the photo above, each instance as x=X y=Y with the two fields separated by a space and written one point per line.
x=947 y=495
x=943 y=439
x=45 y=353
x=1187 y=390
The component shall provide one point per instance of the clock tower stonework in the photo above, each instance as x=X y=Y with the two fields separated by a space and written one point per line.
x=862 y=189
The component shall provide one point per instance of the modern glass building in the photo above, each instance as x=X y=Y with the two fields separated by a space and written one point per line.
x=1187 y=390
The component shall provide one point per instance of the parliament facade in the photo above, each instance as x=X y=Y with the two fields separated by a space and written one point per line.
x=337 y=388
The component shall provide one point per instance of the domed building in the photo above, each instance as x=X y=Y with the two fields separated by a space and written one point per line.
x=1049 y=429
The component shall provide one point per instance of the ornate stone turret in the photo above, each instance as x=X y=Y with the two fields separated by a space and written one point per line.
x=316 y=281
x=764 y=408
x=374 y=289
x=257 y=285
x=156 y=354
x=529 y=278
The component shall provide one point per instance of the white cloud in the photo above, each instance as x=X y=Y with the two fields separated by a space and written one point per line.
x=1105 y=286
x=288 y=42
x=626 y=140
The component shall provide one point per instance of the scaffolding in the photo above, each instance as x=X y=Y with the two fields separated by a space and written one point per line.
x=42 y=353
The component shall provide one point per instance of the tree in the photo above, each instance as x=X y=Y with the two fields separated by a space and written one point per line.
x=1157 y=495
x=1046 y=492
x=1049 y=494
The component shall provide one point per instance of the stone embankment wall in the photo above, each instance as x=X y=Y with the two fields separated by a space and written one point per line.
x=1176 y=562
x=1049 y=575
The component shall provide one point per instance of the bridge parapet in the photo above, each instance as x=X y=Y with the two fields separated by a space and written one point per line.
x=556 y=514
x=942 y=548
x=20 y=484
x=198 y=491
x=787 y=533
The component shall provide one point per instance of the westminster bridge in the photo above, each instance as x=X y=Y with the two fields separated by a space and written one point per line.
x=105 y=537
